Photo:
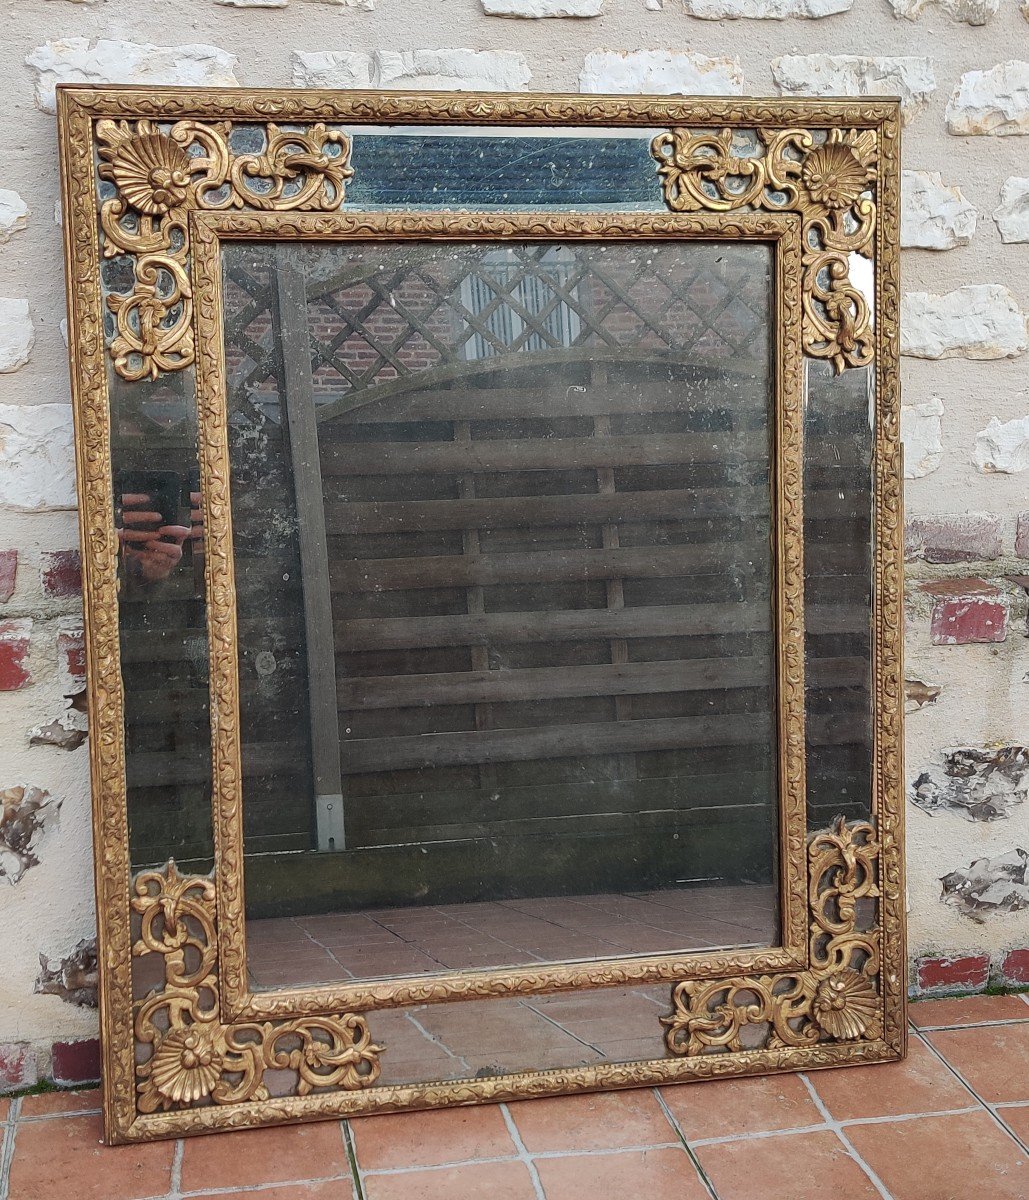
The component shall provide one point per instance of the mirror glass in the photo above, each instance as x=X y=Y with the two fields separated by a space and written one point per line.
x=502 y=518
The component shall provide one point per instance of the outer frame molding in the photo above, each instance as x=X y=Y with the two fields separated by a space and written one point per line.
x=867 y=1031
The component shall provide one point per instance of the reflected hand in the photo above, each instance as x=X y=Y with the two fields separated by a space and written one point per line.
x=151 y=550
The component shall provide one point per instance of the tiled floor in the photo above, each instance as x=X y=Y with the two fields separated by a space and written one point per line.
x=950 y=1123
x=291 y=951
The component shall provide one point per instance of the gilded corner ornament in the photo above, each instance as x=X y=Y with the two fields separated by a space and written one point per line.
x=828 y=180
x=836 y=999
x=188 y=1056
x=159 y=174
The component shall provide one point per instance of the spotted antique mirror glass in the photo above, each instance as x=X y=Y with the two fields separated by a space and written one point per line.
x=502 y=533
x=490 y=515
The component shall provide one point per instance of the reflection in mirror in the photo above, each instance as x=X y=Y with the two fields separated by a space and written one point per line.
x=158 y=517
x=838 y=593
x=502 y=526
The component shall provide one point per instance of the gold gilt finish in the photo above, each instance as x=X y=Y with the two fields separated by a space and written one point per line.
x=827 y=181
x=835 y=998
x=858 y=1013
x=209 y=232
x=193 y=1056
x=159 y=179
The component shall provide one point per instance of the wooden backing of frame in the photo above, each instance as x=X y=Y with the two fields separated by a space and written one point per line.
x=834 y=992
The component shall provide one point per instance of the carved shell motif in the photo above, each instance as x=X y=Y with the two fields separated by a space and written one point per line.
x=151 y=172
x=836 y=173
x=186 y=1065
x=844 y=1004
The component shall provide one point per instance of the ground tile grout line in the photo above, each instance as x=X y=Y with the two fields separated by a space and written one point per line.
x=697 y=1166
x=356 y=1175
x=537 y=1155
x=968 y=1025
x=838 y=1129
x=10 y=1132
x=991 y=1108
x=523 y=1153
x=256 y=1188
x=888 y=1119
x=56 y=1116
x=175 y=1188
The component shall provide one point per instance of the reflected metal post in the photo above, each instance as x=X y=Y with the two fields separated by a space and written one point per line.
x=301 y=429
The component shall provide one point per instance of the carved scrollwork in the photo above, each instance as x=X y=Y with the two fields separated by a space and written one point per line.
x=828 y=182
x=835 y=1000
x=162 y=173
x=195 y=1058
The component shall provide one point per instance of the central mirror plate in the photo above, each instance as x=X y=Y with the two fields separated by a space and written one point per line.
x=502 y=521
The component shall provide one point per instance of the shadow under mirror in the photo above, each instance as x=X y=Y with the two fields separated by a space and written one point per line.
x=503 y=535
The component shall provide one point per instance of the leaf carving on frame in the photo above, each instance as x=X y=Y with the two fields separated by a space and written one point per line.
x=162 y=173
x=829 y=182
x=197 y=1059
x=836 y=999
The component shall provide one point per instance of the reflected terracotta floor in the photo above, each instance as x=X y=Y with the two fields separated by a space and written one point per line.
x=293 y=951
x=950 y=1123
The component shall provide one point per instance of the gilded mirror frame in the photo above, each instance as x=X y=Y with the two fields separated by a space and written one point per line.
x=823 y=186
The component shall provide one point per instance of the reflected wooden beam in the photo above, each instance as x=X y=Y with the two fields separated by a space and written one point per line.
x=302 y=439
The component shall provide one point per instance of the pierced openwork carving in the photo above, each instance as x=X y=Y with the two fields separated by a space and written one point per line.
x=175 y=1062
x=195 y=1058
x=162 y=173
x=835 y=999
x=828 y=181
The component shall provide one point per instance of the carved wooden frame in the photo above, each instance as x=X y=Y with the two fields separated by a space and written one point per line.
x=823 y=184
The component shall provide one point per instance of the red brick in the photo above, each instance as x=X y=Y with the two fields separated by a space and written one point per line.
x=1015 y=967
x=966 y=610
x=76 y=1062
x=17 y=1067
x=965 y=974
x=14 y=652
x=71 y=657
x=61 y=573
x=8 y=574
x=954 y=537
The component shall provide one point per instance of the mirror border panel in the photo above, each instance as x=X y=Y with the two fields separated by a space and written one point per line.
x=842 y=867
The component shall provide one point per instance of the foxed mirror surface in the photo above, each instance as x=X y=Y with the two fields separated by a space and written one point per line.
x=504 y=563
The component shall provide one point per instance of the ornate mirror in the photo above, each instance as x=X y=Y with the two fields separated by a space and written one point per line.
x=490 y=511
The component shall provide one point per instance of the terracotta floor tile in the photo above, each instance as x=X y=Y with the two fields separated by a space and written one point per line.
x=717 y=1108
x=482 y=1181
x=968 y=1010
x=1018 y=1119
x=5 y=1110
x=48 y=1103
x=227 y=1160
x=944 y=1158
x=336 y=1189
x=802 y=1166
x=919 y=1084
x=63 y=1160
x=991 y=1058
x=428 y=1139
x=604 y=1121
x=647 y=1174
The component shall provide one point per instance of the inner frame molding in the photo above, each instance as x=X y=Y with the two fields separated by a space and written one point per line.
x=209 y=231
x=149 y=178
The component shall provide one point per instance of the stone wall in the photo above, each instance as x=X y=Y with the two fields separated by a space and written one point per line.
x=962 y=69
